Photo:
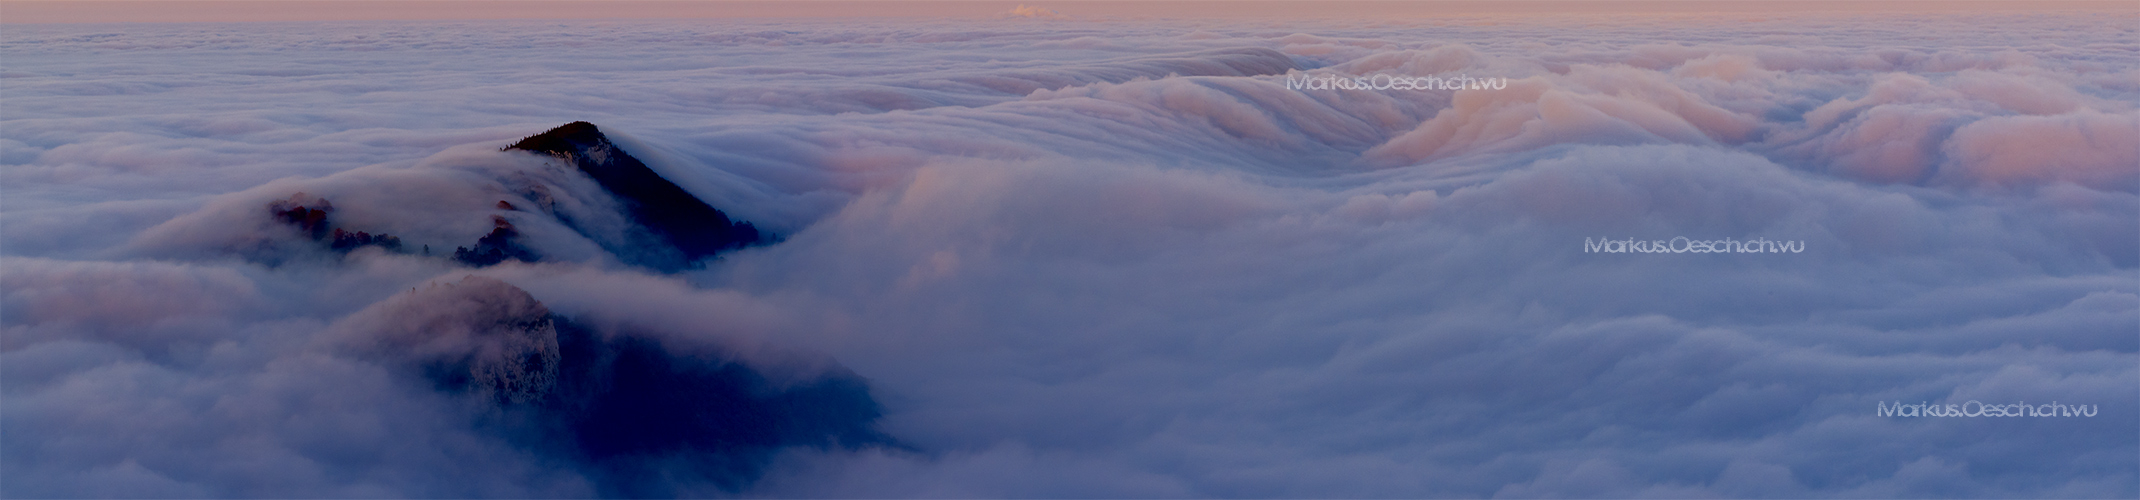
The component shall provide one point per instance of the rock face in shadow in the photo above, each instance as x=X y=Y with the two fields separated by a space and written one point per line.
x=502 y=244
x=646 y=422
x=629 y=414
x=669 y=213
x=309 y=215
x=479 y=336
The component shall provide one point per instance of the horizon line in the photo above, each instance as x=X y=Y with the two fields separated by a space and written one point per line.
x=224 y=11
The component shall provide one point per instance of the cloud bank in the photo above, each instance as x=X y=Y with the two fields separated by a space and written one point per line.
x=1072 y=258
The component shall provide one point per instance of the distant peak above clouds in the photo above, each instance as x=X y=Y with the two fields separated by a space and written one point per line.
x=580 y=197
x=669 y=212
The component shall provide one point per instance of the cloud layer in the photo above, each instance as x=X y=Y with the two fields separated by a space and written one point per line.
x=1061 y=257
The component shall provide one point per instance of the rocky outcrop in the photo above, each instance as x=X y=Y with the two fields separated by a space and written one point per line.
x=502 y=244
x=479 y=336
x=309 y=215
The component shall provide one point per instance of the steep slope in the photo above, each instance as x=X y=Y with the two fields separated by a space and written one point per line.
x=668 y=212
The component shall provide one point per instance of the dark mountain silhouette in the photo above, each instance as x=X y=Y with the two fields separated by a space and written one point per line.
x=673 y=229
x=644 y=420
x=669 y=213
x=635 y=418
x=502 y=244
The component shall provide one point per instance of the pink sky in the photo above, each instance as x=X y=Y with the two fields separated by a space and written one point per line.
x=92 y=11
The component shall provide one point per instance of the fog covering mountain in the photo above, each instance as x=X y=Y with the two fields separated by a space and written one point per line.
x=1070 y=257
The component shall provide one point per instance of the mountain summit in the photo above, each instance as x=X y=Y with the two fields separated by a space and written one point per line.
x=669 y=212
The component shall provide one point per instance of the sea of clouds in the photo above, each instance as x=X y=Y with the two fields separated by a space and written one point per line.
x=1101 y=258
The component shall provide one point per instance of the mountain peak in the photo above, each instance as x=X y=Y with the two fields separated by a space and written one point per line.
x=670 y=213
x=563 y=140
